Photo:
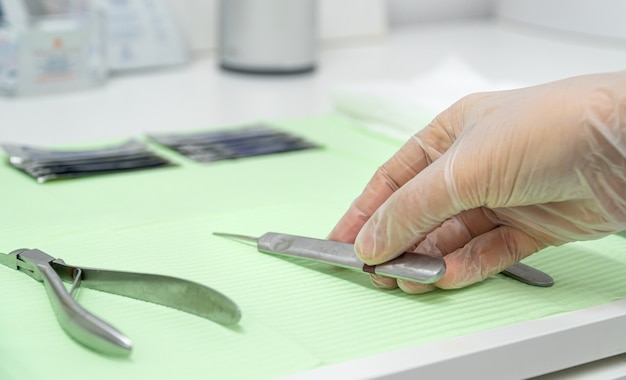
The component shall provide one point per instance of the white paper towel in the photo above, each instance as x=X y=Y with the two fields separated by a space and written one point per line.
x=399 y=109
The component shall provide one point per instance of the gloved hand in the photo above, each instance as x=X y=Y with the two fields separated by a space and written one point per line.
x=497 y=177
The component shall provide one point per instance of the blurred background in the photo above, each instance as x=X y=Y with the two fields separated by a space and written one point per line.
x=342 y=20
x=102 y=69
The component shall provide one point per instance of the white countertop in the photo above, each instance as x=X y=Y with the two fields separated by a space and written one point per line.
x=201 y=95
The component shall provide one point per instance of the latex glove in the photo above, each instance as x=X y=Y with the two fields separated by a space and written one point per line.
x=497 y=177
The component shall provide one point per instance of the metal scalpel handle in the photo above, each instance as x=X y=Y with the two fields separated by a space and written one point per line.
x=528 y=275
x=411 y=266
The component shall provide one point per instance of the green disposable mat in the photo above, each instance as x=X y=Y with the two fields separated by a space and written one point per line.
x=296 y=315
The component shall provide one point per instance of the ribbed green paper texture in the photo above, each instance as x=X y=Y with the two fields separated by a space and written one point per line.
x=296 y=315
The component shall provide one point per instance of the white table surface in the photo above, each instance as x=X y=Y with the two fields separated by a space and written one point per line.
x=201 y=95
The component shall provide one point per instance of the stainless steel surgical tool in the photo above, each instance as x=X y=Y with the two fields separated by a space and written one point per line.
x=413 y=267
x=409 y=266
x=93 y=332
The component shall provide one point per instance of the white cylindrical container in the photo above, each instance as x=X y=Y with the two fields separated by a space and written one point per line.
x=268 y=36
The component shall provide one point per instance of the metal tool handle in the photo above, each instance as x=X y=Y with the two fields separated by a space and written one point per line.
x=413 y=267
x=528 y=275
x=410 y=266
x=81 y=325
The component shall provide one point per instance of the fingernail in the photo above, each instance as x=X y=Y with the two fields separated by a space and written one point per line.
x=384 y=282
x=365 y=245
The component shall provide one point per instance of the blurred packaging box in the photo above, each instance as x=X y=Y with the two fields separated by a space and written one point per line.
x=142 y=34
x=50 y=46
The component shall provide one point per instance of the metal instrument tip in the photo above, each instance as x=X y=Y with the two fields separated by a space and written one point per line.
x=236 y=236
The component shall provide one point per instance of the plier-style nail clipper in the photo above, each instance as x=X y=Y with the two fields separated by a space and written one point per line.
x=95 y=333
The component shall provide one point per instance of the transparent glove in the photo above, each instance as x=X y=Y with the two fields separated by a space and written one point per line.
x=497 y=177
